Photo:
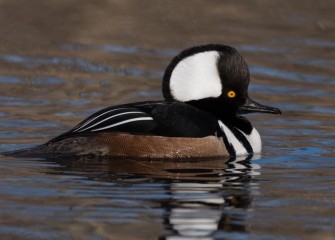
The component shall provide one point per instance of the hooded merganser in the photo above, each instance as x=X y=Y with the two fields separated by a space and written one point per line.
x=205 y=90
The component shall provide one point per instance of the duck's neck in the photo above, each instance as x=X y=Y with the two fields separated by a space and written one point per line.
x=238 y=134
x=227 y=115
x=238 y=122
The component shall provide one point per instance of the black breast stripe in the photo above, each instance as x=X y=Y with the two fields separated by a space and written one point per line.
x=230 y=148
x=239 y=135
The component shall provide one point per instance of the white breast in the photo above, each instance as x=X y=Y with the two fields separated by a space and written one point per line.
x=253 y=138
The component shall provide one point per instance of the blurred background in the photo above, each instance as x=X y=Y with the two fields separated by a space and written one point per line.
x=63 y=60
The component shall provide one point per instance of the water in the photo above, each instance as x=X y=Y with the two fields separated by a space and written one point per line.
x=62 y=60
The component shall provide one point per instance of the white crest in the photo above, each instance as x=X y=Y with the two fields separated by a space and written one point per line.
x=196 y=77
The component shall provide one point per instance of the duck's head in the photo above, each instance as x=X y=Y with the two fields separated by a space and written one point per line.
x=214 y=78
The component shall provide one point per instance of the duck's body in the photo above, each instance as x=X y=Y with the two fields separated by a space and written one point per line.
x=205 y=90
x=156 y=129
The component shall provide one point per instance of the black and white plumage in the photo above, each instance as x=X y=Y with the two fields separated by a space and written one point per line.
x=205 y=90
x=155 y=118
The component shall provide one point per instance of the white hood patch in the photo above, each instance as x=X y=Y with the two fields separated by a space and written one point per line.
x=196 y=77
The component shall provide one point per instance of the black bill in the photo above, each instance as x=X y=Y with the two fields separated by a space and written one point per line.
x=251 y=106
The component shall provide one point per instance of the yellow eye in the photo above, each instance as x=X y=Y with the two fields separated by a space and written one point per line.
x=231 y=94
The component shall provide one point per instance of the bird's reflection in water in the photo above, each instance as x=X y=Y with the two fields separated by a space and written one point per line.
x=206 y=198
x=215 y=203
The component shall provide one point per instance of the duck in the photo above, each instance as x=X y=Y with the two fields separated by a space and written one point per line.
x=205 y=91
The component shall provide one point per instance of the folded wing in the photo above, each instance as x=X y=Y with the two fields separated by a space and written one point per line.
x=123 y=118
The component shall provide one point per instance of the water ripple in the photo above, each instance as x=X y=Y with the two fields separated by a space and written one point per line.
x=77 y=64
x=113 y=48
x=25 y=123
x=288 y=75
x=264 y=49
x=280 y=89
x=13 y=101
x=316 y=42
x=10 y=80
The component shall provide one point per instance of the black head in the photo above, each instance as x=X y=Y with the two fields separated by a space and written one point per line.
x=214 y=78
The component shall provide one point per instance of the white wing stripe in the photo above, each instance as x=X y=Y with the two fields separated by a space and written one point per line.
x=96 y=118
x=123 y=122
x=108 y=119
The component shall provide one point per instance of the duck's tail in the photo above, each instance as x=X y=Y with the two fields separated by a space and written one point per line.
x=40 y=151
